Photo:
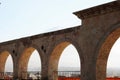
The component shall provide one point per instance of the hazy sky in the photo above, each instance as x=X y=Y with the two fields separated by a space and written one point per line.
x=21 y=18
x=114 y=56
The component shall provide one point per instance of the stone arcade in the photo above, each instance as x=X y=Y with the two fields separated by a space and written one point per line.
x=93 y=40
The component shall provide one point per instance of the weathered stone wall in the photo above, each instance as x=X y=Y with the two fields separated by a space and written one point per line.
x=98 y=23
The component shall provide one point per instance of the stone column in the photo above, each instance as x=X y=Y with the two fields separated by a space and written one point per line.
x=88 y=71
x=15 y=70
x=44 y=68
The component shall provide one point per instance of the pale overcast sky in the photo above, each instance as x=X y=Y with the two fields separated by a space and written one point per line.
x=21 y=18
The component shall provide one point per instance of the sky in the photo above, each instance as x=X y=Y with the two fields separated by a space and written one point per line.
x=114 y=56
x=22 y=18
x=30 y=17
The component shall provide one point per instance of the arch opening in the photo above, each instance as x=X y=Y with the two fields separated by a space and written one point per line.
x=6 y=66
x=30 y=64
x=60 y=60
x=113 y=64
x=104 y=52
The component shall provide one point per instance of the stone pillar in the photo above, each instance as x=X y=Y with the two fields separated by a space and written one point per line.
x=44 y=68
x=19 y=73
x=88 y=71
x=1 y=68
x=3 y=57
x=15 y=70
x=87 y=44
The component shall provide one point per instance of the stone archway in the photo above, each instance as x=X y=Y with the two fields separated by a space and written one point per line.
x=54 y=60
x=103 y=54
x=3 y=57
x=23 y=62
